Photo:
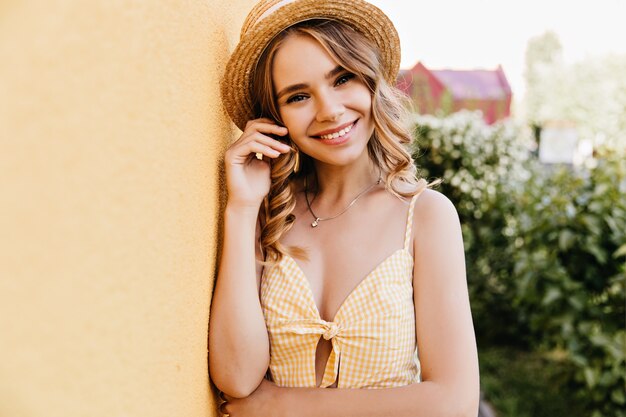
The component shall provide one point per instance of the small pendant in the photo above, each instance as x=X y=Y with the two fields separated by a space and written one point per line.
x=315 y=222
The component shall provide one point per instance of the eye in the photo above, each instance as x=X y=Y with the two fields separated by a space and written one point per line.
x=344 y=78
x=295 y=98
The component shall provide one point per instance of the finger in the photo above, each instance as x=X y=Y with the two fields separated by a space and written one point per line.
x=263 y=138
x=260 y=120
x=251 y=122
x=257 y=143
x=259 y=139
x=268 y=141
x=267 y=127
x=259 y=148
x=255 y=126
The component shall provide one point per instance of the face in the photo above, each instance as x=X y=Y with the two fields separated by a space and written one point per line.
x=326 y=109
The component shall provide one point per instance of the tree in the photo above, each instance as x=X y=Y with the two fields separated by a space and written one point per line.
x=544 y=57
x=590 y=93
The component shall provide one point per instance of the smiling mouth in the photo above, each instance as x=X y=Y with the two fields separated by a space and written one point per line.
x=339 y=133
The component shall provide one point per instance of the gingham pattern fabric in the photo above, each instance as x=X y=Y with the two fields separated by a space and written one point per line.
x=372 y=334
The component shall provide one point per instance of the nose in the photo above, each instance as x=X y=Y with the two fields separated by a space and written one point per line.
x=330 y=108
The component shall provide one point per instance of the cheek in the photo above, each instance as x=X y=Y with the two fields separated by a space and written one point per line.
x=366 y=99
x=290 y=121
x=285 y=115
x=360 y=96
x=293 y=121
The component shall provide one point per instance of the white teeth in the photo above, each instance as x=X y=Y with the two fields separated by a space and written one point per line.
x=337 y=134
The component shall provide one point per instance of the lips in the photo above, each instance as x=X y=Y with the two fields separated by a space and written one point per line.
x=337 y=132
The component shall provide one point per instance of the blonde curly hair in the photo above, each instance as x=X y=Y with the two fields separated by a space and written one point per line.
x=387 y=148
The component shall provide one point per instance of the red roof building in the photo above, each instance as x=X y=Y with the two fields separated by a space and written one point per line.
x=452 y=90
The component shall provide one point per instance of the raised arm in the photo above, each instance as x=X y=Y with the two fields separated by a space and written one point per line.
x=238 y=342
x=445 y=336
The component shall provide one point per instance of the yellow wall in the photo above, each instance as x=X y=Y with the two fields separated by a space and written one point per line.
x=110 y=134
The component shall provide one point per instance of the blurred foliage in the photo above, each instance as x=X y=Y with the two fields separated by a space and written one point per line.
x=543 y=54
x=569 y=272
x=524 y=384
x=545 y=248
x=576 y=92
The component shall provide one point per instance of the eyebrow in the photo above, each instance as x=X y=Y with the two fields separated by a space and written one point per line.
x=295 y=87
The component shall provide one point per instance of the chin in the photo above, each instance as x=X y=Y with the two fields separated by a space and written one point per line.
x=342 y=157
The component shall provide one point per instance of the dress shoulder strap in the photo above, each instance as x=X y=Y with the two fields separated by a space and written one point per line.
x=409 y=221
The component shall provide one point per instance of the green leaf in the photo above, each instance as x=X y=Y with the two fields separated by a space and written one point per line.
x=577 y=302
x=553 y=294
x=597 y=252
x=617 y=395
x=566 y=239
x=590 y=377
x=621 y=251
x=592 y=223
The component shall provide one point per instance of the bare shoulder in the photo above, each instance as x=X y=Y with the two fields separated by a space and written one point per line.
x=438 y=252
x=436 y=225
x=433 y=210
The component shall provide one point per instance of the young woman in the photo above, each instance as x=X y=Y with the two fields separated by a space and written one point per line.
x=360 y=275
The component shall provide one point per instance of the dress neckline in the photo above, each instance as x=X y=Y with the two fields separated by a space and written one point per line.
x=309 y=289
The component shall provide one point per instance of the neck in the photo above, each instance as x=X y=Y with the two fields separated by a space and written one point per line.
x=338 y=185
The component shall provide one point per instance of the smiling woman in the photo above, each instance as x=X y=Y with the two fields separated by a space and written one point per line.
x=360 y=277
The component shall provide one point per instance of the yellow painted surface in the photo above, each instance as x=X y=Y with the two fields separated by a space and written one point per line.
x=111 y=134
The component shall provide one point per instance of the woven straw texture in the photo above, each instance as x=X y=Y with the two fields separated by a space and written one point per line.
x=258 y=30
x=372 y=334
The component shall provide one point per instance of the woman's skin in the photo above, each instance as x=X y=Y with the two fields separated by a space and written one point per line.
x=326 y=97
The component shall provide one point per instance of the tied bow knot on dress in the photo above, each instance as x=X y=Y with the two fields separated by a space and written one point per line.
x=327 y=329
x=331 y=329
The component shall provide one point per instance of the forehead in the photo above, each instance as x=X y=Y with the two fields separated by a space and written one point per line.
x=300 y=59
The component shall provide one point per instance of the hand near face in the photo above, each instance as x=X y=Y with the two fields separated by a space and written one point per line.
x=248 y=178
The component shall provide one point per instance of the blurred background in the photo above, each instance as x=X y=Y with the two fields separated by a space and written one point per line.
x=521 y=108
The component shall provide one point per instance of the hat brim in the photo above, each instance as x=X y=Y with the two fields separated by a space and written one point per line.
x=364 y=17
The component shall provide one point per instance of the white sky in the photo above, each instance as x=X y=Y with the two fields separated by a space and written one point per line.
x=467 y=34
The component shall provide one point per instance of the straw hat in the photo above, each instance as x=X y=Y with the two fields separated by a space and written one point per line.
x=269 y=17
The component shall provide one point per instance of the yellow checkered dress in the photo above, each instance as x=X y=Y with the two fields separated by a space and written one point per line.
x=372 y=334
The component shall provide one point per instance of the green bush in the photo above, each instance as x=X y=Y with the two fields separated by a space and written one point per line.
x=569 y=272
x=529 y=384
x=545 y=248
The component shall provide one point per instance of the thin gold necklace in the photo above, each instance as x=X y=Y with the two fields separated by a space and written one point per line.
x=318 y=219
